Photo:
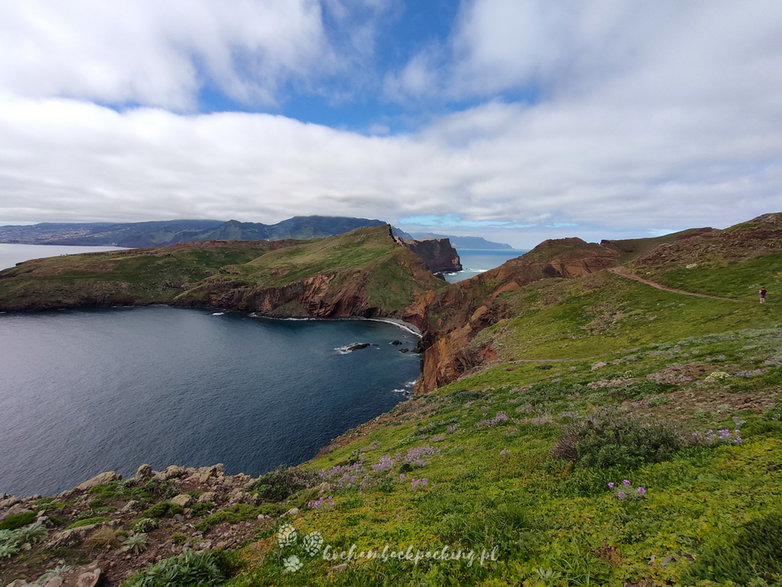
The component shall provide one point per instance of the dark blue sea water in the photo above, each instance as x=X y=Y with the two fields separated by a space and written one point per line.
x=476 y=261
x=88 y=391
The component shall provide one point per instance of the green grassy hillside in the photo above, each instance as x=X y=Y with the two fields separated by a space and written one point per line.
x=601 y=431
x=139 y=276
x=597 y=380
x=355 y=274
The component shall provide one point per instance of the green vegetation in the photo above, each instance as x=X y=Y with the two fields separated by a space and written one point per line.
x=363 y=272
x=615 y=439
x=164 y=509
x=15 y=521
x=739 y=280
x=12 y=541
x=594 y=431
x=752 y=553
x=282 y=483
x=87 y=522
x=190 y=568
x=232 y=514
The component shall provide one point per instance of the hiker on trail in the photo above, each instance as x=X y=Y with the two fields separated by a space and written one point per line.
x=762 y=294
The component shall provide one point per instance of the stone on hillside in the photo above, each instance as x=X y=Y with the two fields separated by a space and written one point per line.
x=204 y=474
x=71 y=537
x=183 y=499
x=171 y=472
x=131 y=506
x=207 y=496
x=99 y=479
x=18 y=508
x=143 y=472
x=241 y=496
x=89 y=579
x=8 y=502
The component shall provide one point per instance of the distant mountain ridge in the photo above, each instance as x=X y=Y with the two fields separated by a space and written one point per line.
x=169 y=232
x=465 y=242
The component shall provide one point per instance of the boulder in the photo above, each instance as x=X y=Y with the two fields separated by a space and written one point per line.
x=183 y=499
x=143 y=472
x=89 y=578
x=17 y=509
x=204 y=474
x=99 y=479
x=71 y=537
x=8 y=502
x=207 y=496
x=356 y=346
x=171 y=472
x=241 y=496
x=132 y=506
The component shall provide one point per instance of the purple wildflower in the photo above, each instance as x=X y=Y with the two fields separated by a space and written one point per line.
x=641 y=491
x=384 y=464
x=488 y=423
x=626 y=483
x=611 y=485
x=620 y=494
x=329 y=500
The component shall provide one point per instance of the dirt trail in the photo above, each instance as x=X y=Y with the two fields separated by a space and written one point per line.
x=625 y=272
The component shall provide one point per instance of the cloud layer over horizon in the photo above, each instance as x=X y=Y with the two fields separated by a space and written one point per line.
x=520 y=121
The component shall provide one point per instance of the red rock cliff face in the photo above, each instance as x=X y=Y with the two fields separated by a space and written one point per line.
x=455 y=316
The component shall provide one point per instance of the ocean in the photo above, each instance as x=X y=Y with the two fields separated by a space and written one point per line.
x=477 y=261
x=87 y=391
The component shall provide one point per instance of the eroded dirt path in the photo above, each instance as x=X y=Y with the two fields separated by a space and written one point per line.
x=625 y=272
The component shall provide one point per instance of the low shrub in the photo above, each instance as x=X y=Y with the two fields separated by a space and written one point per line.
x=164 y=509
x=11 y=541
x=15 y=521
x=640 y=389
x=283 y=482
x=189 y=568
x=102 y=539
x=87 y=522
x=232 y=514
x=143 y=525
x=615 y=439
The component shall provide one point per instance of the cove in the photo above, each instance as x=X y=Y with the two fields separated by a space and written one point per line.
x=93 y=390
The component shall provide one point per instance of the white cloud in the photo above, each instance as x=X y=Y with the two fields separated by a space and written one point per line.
x=651 y=114
x=159 y=53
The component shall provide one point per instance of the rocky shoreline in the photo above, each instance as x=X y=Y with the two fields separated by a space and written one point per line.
x=117 y=526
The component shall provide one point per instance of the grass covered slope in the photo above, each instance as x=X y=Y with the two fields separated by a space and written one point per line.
x=594 y=430
x=138 y=276
x=621 y=435
x=362 y=273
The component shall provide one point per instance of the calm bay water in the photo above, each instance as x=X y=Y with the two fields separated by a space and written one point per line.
x=88 y=391
x=11 y=254
x=476 y=261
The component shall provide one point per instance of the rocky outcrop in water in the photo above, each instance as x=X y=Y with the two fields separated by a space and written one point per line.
x=437 y=253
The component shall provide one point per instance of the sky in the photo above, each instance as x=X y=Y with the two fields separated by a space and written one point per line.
x=516 y=120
